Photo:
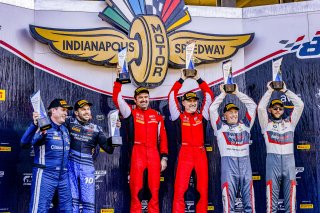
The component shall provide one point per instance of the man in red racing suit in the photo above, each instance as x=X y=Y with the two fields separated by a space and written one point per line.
x=192 y=153
x=148 y=130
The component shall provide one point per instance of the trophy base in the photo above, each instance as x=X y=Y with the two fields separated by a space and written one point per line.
x=44 y=123
x=229 y=88
x=116 y=140
x=190 y=73
x=277 y=85
x=124 y=78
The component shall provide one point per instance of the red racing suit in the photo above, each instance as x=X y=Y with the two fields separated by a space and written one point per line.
x=192 y=153
x=148 y=130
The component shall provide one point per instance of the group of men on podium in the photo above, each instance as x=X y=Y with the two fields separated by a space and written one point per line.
x=63 y=154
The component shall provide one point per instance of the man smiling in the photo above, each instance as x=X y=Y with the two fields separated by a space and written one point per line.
x=192 y=154
x=279 y=138
x=85 y=136
x=233 y=136
x=147 y=130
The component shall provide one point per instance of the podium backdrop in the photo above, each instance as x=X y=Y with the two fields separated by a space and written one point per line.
x=291 y=31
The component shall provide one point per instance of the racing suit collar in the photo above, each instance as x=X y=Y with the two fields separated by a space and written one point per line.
x=232 y=125
x=190 y=114
x=82 y=123
x=54 y=125
x=276 y=120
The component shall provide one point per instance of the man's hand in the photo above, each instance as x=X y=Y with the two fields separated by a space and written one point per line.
x=35 y=117
x=182 y=75
x=197 y=76
x=118 y=69
x=222 y=89
x=163 y=164
x=118 y=124
x=284 y=89
x=269 y=86
x=236 y=90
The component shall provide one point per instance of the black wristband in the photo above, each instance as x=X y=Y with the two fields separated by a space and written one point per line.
x=181 y=81
x=164 y=155
x=199 y=81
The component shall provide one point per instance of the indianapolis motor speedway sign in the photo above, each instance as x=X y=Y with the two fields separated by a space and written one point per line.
x=149 y=32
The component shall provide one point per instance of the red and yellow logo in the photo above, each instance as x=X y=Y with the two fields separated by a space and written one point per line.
x=149 y=34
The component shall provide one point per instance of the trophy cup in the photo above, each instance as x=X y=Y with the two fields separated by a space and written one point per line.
x=44 y=122
x=229 y=86
x=114 y=132
x=124 y=76
x=277 y=82
x=190 y=71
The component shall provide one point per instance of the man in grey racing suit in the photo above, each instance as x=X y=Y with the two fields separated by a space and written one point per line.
x=233 y=138
x=278 y=135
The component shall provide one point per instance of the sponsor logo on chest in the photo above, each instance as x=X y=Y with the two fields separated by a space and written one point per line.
x=140 y=118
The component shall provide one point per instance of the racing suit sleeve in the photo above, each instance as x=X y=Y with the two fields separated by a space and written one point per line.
x=104 y=142
x=207 y=98
x=39 y=138
x=118 y=100
x=162 y=137
x=262 y=110
x=298 y=107
x=251 y=108
x=28 y=135
x=214 y=114
x=174 y=107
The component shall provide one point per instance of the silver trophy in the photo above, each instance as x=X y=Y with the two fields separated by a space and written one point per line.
x=113 y=130
x=44 y=122
x=124 y=76
x=277 y=82
x=229 y=86
x=190 y=70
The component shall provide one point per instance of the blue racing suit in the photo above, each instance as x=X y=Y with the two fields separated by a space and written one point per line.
x=28 y=135
x=84 y=138
x=50 y=168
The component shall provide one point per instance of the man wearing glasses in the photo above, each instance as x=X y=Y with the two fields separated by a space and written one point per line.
x=278 y=133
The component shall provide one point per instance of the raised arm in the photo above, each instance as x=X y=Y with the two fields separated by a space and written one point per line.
x=262 y=108
x=118 y=100
x=298 y=107
x=28 y=135
x=30 y=132
x=251 y=108
x=173 y=100
x=207 y=98
x=213 y=110
x=39 y=138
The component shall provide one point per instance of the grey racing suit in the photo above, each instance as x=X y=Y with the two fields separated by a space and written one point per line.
x=280 y=163
x=233 y=143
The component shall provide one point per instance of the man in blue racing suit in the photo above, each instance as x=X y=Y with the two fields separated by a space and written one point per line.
x=50 y=162
x=85 y=136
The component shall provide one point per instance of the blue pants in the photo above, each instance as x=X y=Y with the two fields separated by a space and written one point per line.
x=236 y=174
x=82 y=182
x=281 y=169
x=44 y=184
